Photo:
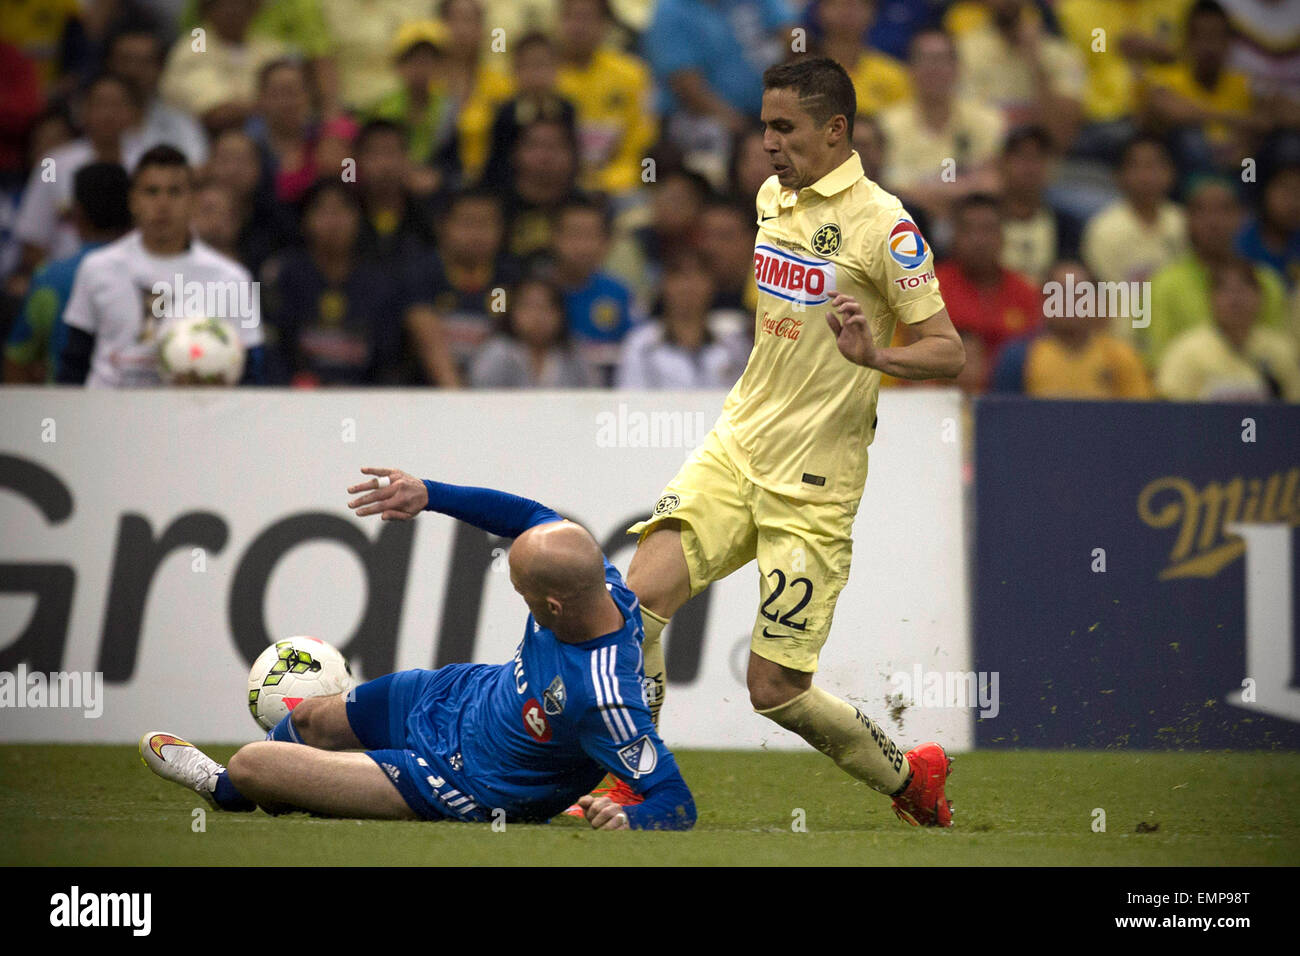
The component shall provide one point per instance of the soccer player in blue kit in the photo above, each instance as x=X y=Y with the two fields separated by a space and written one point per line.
x=519 y=741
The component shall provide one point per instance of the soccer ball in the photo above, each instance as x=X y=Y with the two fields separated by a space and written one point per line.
x=200 y=352
x=290 y=671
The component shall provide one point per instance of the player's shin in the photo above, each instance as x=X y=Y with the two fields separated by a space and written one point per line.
x=652 y=653
x=853 y=740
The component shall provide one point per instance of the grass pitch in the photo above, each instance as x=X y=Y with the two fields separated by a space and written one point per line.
x=98 y=805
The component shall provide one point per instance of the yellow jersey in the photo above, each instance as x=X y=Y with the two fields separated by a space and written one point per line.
x=612 y=96
x=799 y=420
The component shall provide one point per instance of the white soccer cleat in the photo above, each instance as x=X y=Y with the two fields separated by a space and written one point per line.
x=181 y=762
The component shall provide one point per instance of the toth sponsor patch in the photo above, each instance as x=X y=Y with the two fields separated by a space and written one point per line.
x=640 y=756
x=907 y=245
x=794 y=278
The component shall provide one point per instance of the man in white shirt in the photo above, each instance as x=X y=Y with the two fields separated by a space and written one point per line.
x=124 y=292
x=135 y=53
x=110 y=111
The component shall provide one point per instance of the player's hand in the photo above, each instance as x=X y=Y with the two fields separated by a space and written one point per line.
x=852 y=331
x=603 y=813
x=400 y=499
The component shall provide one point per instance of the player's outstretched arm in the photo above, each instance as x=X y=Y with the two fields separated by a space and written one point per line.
x=936 y=353
x=397 y=496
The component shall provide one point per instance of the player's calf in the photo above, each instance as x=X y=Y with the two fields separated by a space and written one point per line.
x=320 y=722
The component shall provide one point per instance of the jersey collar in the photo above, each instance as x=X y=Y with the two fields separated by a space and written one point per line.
x=836 y=181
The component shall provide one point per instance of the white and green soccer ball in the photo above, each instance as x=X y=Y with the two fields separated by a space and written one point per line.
x=200 y=351
x=290 y=671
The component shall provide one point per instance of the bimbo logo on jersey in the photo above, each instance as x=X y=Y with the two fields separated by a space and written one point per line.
x=793 y=278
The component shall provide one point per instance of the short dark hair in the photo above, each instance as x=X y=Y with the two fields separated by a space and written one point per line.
x=531 y=39
x=163 y=155
x=593 y=203
x=99 y=79
x=377 y=127
x=470 y=194
x=99 y=190
x=279 y=63
x=935 y=30
x=1206 y=8
x=1238 y=266
x=136 y=27
x=825 y=89
x=326 y=185
x=553 y=292
x=973 y=201
x=1143 y=139
x=1029 y=133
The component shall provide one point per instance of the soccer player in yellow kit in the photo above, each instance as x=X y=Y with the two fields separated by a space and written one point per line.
x=838 y=262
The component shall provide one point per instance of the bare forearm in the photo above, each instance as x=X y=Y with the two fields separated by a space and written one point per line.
x=930 y=357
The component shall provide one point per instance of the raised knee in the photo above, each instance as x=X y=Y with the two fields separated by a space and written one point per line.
x=245 y=766
x=766 y=694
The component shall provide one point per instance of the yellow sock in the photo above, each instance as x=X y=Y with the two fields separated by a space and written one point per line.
x=652 y=652
x=846 y=735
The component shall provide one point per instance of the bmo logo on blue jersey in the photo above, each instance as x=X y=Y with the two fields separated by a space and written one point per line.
x=793 y=278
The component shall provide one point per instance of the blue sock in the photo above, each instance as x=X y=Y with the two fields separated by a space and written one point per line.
x=284 y=731
x=228 y=798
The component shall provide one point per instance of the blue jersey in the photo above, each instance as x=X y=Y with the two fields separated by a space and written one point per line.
x=532 y=735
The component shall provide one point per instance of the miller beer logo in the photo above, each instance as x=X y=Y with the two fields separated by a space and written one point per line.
x=1203 y=547
x=793 y=278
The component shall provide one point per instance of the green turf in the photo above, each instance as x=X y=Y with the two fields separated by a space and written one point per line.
x=99 y=805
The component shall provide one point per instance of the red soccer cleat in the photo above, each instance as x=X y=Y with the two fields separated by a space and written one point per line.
x=923 y=804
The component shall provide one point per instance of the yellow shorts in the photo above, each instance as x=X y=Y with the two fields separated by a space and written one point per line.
x=803 y=550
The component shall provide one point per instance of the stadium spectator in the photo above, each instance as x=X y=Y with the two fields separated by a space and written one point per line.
x=216 y=218
x=36 y=29
x=420 y=104
x=725 y=239
x=125 y=291
x=110 y=112
x=1266 y=47
x=750 y=165
x=841 y=26
x=1181 y=291
x=455 y=295
x=708 y=60
x=135 y=52
x=678 y=350
x=898 y=21
x=1203 y=103
x=99 y=215
x=1272 y=237
x=476 y=81
x=545 y=171
x=613 y=94
x=1234 y=357
x=1140 y=232
x=1034 y=234
x=1015 y=65
x=939 y=146
x=869 y=142
x=21 y=102
x=360 y=36
x=1074 y=356
x=536 y=98
x=533 y=350
x=264 y=225
x=984 y=298
x=676 y=200
x=597 y=307
x=336 y=315
x=396 y=229
x=213 y=75
x=282 y=128
x=1134 y=34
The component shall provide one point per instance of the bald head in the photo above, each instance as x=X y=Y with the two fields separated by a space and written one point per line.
x=559 y=560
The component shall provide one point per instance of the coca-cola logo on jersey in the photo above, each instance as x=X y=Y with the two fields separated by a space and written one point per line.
x=786 y=328
x=798 y=279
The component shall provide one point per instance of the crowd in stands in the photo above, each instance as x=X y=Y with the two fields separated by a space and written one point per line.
x=560 y=193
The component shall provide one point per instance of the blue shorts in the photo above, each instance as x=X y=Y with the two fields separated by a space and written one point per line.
x=378 y=712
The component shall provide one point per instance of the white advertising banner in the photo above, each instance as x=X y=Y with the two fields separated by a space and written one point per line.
x=154 y=541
